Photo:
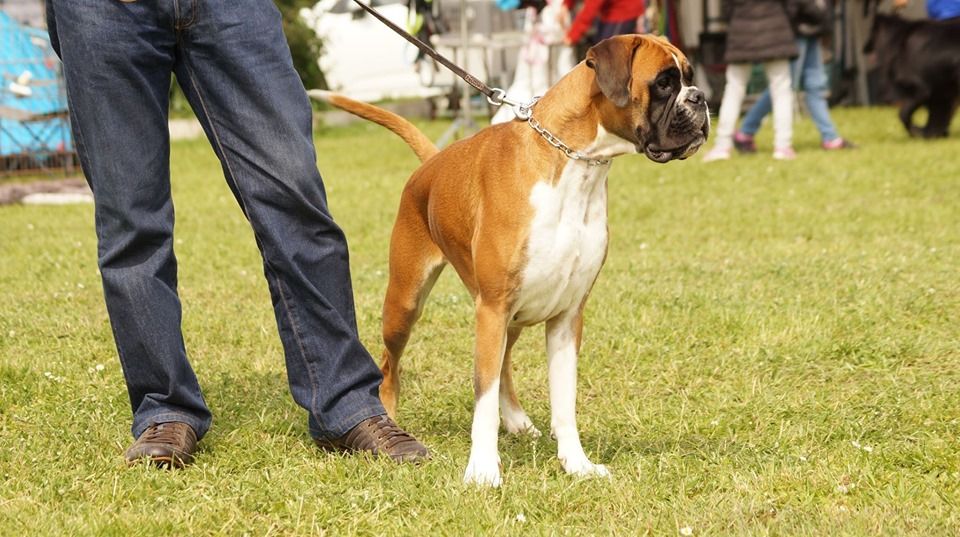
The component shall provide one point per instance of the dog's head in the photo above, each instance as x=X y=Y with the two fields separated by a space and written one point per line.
x=646 y=96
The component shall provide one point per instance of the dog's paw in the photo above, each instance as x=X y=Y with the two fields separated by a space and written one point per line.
x=530 y=430
x=521 y=426
x=483 y=473
x=582 y=467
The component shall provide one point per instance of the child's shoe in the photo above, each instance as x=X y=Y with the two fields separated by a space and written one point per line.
x=716 y=153
x=833 y=145
x=744 y=143
x=784 y=153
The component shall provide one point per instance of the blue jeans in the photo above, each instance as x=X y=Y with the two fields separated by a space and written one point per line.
x=232 y=61
x=808 y=74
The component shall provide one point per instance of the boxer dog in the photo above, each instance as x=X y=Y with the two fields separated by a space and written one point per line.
x=919 y=66
x=521 y=214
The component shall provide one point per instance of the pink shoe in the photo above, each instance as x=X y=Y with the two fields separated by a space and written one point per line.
x=784 y=153
x=716 y=154
x=744 y=143
x=839 y=143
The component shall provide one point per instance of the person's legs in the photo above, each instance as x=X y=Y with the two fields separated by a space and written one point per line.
x=751 y=123
x=754 y=117
x=814 y=85
x=778 y=74
x=117 y=60
x=235 y=68
x=737 y=75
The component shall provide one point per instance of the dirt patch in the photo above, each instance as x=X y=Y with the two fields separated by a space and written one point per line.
x=73 y=188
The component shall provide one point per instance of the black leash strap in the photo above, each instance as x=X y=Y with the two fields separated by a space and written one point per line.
x=495 y=96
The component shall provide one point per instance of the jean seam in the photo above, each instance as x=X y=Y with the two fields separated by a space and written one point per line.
x=193 y=16
x=97 y=224
x=289 y=313
x=296 y=336
x=84 y=163
x=180 y=25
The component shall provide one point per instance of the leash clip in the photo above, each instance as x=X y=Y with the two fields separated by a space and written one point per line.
x=524 y=112
x=497 y=96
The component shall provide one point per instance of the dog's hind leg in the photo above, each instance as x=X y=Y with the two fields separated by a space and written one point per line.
x=907 y=109
x=563 y=348
x=940 y=110
x=415 y=264
x=483 y=468
x=515 y=420
x=915 y=96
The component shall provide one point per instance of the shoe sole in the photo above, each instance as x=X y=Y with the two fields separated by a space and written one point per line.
x=330 y=447
x=165 y=462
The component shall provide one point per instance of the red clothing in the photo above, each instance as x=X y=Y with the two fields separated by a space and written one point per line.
x=609 y=11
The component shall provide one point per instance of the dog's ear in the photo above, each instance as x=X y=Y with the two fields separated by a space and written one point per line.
x=612 y=60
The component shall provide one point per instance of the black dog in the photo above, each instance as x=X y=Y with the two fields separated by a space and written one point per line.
x=919 y=66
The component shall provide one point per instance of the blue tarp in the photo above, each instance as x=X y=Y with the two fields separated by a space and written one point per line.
x=24 y=49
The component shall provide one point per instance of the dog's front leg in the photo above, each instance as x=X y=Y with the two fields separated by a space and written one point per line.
x=563 y=347
x=484 y=465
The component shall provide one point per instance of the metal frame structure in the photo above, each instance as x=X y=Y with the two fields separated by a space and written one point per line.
x=35 y=133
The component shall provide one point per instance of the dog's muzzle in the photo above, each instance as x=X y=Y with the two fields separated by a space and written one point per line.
x=686 y=131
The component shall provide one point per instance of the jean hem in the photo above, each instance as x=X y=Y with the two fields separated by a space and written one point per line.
x=141 y=424
x=348 y=423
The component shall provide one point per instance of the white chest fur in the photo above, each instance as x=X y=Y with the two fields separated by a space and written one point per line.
x=567 y=242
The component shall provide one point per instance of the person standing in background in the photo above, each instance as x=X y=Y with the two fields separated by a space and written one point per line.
x=617 y=17
x=543 y=59
x=757 y=31
x=811 y=22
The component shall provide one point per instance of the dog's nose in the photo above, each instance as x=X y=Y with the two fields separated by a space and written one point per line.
x=696 y=97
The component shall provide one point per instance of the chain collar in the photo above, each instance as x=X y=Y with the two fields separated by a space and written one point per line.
x=525 y=112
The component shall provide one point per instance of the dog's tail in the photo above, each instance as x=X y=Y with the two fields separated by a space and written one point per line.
x=421 y=145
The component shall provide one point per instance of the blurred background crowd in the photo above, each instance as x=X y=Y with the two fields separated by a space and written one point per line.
x=522 y=46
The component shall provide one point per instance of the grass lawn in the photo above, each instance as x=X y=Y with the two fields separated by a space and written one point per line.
x=771 y=349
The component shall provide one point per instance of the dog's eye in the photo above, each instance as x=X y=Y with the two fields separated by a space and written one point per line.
x=664 y=83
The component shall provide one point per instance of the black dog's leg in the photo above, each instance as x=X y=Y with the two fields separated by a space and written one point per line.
x=914 y=95
x=941 y=110
x=907 y=109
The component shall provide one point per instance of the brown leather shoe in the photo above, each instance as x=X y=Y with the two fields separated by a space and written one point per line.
x=168 y=445
x=379 y=435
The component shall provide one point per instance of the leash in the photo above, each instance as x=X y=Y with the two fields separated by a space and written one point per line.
x=495 y=96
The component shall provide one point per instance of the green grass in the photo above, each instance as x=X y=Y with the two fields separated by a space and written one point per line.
x=755 y=323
